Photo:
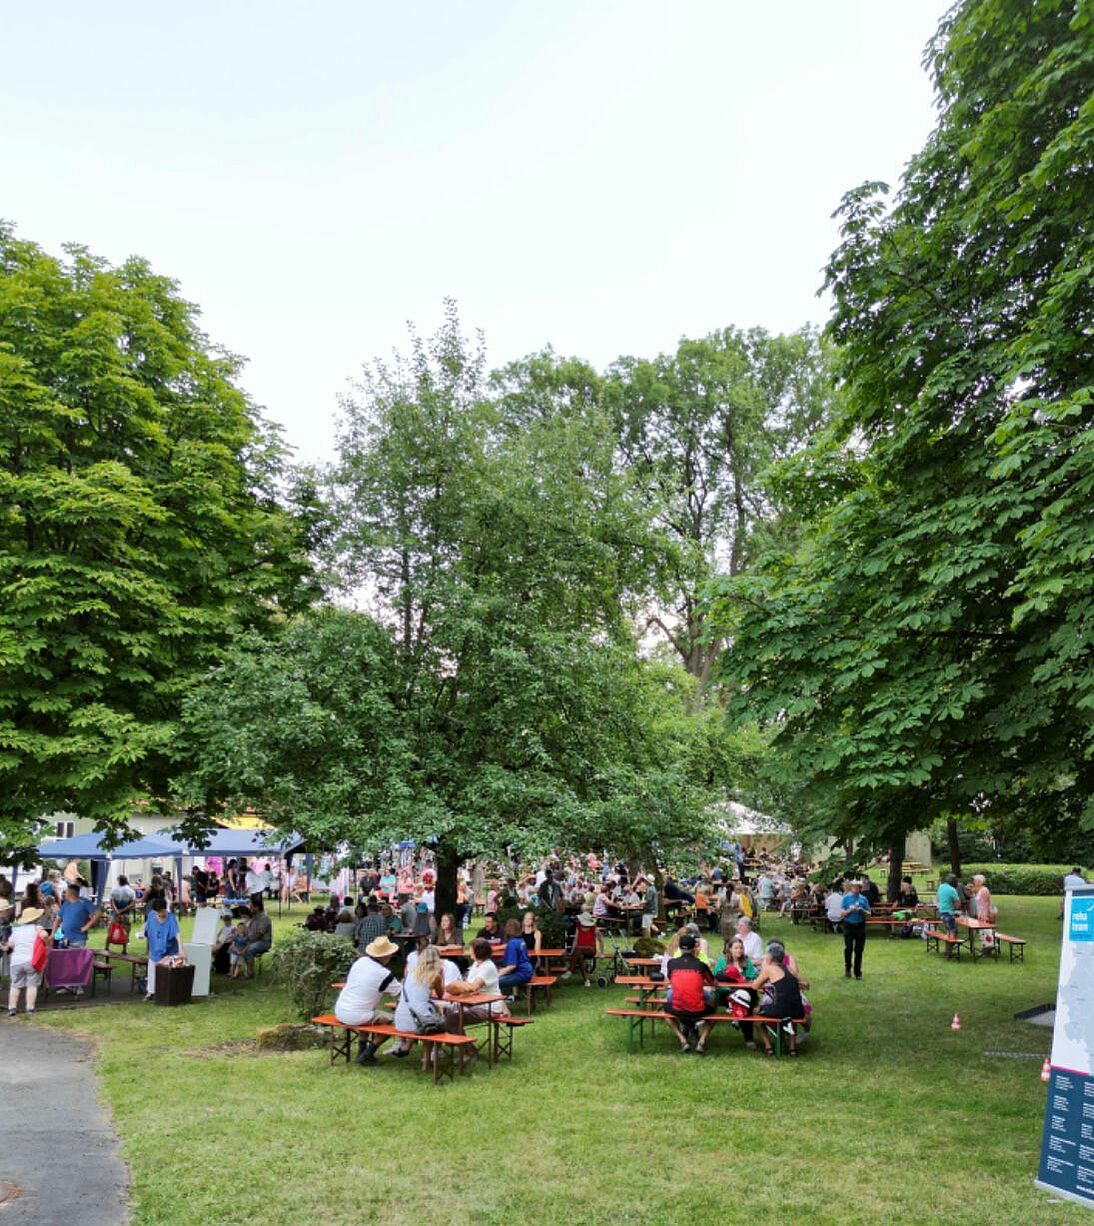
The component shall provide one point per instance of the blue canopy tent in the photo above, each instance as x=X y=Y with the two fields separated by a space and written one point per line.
x=248 y=843
x=90 y=847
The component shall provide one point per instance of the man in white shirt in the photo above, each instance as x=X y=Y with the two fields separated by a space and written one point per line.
x=358 y=1003
x=1075 y=879
x=753 y=942
x=833 y=906
x=255 y=884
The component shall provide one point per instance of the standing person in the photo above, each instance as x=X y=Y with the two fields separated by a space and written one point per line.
x=358 y=1003
x=949 y=902
x=23 y=975
x=853 y=915
x=256 y=885
x=77 y=917
x=161 y=930
x=123 y=901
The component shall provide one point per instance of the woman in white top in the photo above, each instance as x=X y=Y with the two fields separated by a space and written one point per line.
x=482 y=978
x=23 y=974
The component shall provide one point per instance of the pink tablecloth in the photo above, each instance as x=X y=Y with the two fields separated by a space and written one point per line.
x=70 y=968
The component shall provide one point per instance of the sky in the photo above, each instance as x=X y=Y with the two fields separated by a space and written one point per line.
x=602 y=176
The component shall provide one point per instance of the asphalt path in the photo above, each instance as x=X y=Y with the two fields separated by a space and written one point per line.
x=57 y=1144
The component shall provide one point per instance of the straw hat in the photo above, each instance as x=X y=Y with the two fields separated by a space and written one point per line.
x=586 y=920
x=381 y=948
x=30 y=914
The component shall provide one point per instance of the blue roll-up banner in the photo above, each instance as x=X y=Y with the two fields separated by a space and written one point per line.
x=1067 y=1144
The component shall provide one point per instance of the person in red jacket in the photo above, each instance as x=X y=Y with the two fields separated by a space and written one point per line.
x=690 y=997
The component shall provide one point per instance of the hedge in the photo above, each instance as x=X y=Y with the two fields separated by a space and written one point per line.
x=1043 y=879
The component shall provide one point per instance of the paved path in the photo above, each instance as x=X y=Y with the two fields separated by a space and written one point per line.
x=58 y=1144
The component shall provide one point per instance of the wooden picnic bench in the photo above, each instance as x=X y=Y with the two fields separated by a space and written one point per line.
x=1016 y=946
x=639 y=1017
x=452 y=1046
x=938 y=937
x=538 y=983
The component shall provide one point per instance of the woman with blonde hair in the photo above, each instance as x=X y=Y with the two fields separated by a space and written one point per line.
x=531 y=934
x=984 y=910
x=416 y=1012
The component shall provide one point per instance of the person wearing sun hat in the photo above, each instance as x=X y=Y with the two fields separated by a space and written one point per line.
x=358 y=1003
x=588 y=945
x=23 y=974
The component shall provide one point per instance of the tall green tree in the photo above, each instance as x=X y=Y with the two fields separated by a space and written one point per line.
x=698 y=428
x=928 y=649
x=141 y=526
x=498 y=554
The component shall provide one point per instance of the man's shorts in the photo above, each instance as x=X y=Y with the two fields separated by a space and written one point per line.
x=950 y=920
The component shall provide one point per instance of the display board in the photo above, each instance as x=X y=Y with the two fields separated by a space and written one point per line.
x=1067 y=1143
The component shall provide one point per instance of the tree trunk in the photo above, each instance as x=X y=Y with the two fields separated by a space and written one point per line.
x=955 y=847
x=896 y=869
x=448 y=863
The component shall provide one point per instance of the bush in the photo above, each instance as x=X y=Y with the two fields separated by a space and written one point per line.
x=307 y=963
x=551 y=924
x=1041 y=879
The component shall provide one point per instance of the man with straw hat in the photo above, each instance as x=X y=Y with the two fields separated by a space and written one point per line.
x=23 y=975
x=358 y=1003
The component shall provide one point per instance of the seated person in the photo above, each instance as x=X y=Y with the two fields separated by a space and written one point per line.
x=345 y=924
x=833 y=905
x=690 y=997
x=317 y=921
x=735 y=966
x=416 y=1011
x=908 y=896
x=753 y=942
x=587 y=947
x=481 y=978
x=783 y=995
x=358 y=1003
x=516 y=967
x=448 y=931
x=675 y=894
x=259 y=937
x=490 y=930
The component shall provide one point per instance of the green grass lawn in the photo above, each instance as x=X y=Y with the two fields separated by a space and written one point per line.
x=887 y=1116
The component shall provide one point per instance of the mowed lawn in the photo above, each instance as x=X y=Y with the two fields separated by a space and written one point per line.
x=888 y=1116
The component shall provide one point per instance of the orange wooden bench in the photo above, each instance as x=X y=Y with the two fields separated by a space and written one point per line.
x=939 y=937
x=342 y=1043
x=538 y=983
x=1016 y=946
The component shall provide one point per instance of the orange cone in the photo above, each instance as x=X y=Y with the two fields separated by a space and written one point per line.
x=1046 y=1070
x=956 y=1023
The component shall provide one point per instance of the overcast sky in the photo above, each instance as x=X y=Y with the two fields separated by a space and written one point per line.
x=603 y=176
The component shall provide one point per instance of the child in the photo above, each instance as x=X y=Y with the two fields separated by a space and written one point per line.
x=237 y=946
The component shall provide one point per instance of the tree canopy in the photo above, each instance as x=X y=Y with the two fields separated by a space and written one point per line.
x=492 y=695
x=927 y=647
x=141 y=527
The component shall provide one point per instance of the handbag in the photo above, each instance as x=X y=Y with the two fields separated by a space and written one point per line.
x=39 y=955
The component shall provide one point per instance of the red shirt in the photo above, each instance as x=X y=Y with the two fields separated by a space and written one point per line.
x=687 y=977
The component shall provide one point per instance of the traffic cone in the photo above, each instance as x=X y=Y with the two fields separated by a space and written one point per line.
x=1046 y=1070
x=956 y=1023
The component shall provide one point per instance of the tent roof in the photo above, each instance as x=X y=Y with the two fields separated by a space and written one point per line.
x=247 y=843
x=89 y=847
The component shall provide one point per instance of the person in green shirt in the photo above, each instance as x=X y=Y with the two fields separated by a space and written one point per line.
x=949 y=902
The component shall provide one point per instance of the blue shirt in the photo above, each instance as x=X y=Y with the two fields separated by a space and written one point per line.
x=948 y=899
x=516 y=956
x=74 y=915
x=162 y=938
x=857 y=907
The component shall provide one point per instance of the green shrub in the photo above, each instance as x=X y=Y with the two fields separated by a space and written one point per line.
x=307 y=963
x=1041 y=879
x=551 y=924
